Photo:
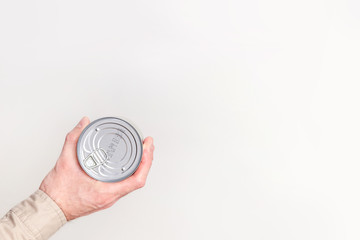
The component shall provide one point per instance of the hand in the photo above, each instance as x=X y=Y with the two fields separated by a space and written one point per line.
x=76 y=193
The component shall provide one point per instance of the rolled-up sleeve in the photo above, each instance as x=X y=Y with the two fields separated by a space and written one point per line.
x=37 y=217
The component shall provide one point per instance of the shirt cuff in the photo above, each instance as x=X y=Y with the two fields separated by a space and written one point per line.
x=40 y=215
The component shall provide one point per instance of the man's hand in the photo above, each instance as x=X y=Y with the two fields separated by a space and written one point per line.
x=76 y=193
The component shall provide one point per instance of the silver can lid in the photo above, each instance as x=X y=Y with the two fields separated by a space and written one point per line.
x=109 y=149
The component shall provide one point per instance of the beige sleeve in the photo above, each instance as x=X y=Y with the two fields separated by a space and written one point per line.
x=37 y=217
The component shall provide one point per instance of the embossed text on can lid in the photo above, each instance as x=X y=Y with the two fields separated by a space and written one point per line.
x=109 y=149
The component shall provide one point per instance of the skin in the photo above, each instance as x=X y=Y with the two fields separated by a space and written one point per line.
x=76 y=193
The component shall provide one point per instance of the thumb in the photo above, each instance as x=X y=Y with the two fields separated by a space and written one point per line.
x=69 y=148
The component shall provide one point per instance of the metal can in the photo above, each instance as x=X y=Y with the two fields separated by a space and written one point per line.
x=110 y=149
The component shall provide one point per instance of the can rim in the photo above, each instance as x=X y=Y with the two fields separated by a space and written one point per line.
x=117 y=118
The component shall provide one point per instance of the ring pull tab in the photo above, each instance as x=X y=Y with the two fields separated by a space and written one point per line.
x=95 y=159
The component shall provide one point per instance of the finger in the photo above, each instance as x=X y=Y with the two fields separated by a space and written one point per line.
x=146 y=160
x=138 y=179
x=69 y=148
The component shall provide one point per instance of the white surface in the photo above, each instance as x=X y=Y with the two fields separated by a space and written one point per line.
x=253 y=105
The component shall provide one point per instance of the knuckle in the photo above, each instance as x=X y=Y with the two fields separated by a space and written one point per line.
x=146 y=151
x=62 y=164
x=70 y=137
x=139 y=183
x=100 y=201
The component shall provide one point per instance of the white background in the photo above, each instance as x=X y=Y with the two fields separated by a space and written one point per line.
x=253 y=106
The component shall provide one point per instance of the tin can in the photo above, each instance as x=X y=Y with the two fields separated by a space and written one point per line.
x=110 y=149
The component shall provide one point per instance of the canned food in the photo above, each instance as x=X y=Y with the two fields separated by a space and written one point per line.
x=109 y=149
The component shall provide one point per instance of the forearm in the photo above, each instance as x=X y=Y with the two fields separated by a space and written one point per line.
x=36 y=218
